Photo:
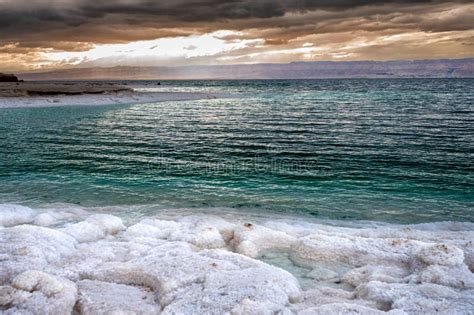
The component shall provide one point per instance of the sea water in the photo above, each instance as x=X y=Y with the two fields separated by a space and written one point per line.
x=392 y=150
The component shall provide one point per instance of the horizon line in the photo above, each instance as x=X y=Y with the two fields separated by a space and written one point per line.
x=44 y=71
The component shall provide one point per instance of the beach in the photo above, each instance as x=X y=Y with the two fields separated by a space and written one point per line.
x=236 y=157
x=237 y=197
x=50 y=94
x=68 y=259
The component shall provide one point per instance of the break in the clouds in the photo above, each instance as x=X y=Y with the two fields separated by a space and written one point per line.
x=39 y=34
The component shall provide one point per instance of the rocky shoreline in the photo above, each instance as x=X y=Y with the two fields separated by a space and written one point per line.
x=68 y=260
x=8 y=78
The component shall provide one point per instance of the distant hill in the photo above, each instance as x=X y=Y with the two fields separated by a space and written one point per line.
x=445 y=68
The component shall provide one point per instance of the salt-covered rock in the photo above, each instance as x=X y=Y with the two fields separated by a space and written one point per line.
x=141 y=230
x=417 y=298
x=205 y=222
x=152 y=228
x=210 y=281
x=346 y=309
x=354 y=251
x=324 y=295
x=188 y=265
x=84 y=232
x=94 y=228
x=97 y=297
x=440 y=254
x=11 y=215
x=382 y=273
x=36 y=292
x=204 y=232
x=28 y=247
x=47 y=219
x=9 y=297
x=317 y=297
x=52 y=218
x=322 y=274
x=193 y=229
x=90 y=256
x=252 y=240
x=456 y=277
x=109 y=223
x=207 y=238
x=250 y=307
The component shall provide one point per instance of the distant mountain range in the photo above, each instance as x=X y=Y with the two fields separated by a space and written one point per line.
x=445 y=68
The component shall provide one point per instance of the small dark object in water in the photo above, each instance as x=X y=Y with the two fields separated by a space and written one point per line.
x=248 y=225
x=159 y=83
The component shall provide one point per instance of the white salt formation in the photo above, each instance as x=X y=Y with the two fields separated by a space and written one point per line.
x=83 y=263
x=44 y=94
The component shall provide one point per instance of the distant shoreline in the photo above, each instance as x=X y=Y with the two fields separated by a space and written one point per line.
x=247 y=79
x=436 y=68
x=37 y=94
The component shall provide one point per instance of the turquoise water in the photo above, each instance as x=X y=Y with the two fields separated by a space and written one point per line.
x=386 y=150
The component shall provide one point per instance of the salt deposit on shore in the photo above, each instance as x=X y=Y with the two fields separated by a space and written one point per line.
x=31 y=89
x=38 y=94
x=64 y=260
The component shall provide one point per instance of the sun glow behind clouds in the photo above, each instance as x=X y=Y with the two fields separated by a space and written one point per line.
x=163 y=49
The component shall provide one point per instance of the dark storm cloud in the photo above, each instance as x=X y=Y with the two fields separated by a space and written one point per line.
x=75 y=12
x=211 y=10
x=273 y=30
x=38 y=21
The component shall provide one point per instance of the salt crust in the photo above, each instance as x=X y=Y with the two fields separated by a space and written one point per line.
x=201 y=264
x=105 y=99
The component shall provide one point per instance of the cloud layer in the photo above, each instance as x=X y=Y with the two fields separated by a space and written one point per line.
x=29 y=30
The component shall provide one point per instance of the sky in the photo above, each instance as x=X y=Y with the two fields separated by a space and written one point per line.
x=39 y=35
